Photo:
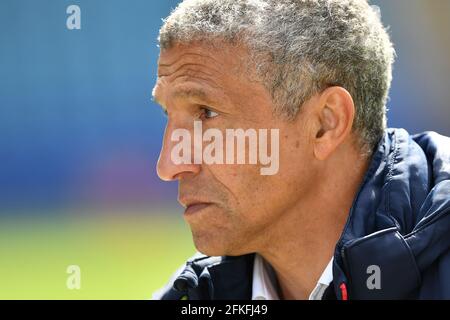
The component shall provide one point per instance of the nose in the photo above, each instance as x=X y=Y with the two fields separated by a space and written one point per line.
x=166 y=168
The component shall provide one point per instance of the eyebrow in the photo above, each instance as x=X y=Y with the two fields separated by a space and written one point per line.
x=187 y=93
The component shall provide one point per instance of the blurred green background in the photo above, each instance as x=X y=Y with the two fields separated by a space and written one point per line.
x=121 y=256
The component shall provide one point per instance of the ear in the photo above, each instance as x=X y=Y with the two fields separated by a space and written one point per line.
x=335 y=113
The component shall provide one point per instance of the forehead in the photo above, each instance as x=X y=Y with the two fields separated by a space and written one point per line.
x=221 y=77
x=207 y=66
x=215 y=58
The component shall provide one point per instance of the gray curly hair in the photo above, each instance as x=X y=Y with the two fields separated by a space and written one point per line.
x=300 y=47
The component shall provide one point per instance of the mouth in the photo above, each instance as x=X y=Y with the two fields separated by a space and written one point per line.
x=196 y=207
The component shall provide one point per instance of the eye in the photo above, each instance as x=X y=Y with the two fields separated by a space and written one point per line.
x=208 y=113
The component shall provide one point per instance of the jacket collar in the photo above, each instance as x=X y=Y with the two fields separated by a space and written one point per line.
x=394 y=218
x=397 y=226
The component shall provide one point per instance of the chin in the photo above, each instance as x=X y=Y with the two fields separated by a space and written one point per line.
x=213 y=245
x=209 y=247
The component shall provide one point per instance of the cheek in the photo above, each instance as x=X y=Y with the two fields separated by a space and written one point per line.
x=296 y=156
x=244 y=186
x=294 y=178
x=255 y=199
x=238 y=180
x=253 y=195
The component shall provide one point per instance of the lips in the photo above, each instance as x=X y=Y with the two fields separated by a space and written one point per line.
x=193 y=202
x=196 y=207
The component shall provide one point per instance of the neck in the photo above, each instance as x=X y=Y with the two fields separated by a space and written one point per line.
x=302 y=242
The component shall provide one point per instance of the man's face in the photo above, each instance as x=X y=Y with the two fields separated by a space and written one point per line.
x=240 y=206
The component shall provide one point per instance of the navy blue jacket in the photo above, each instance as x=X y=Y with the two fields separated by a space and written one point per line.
x=399 y=222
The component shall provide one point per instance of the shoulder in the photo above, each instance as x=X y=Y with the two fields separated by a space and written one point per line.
x=190 y=270
x=204 y=277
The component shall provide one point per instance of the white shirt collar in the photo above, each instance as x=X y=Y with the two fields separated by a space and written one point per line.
x=263 y=287
x=264 y=282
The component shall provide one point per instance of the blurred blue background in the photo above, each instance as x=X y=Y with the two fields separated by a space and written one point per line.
x=76 y=118
x=80 y=136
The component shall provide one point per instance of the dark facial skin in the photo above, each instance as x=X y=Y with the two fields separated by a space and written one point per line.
x=279 y=216
x=244 y=202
